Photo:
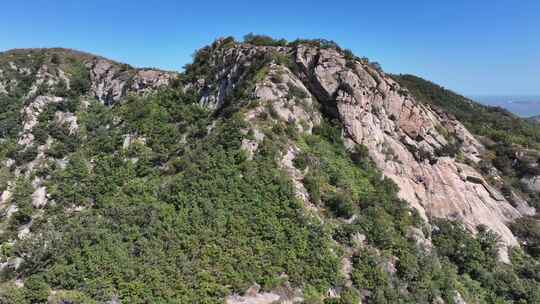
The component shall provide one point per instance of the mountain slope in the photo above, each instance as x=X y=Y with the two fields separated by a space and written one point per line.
x=511 y=156
x=412 y=144
x=268 y=171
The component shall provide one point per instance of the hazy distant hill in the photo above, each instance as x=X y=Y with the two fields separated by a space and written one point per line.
x=535 y=119
x=524 y=106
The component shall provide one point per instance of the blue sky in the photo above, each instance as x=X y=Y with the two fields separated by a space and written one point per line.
x=474 y=47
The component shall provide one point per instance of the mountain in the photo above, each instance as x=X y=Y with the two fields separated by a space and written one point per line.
x=268 y=172
x=535 y=119
x=523 y=106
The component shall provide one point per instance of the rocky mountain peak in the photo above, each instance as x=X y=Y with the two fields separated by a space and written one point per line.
x=430 y=155
x=57 y=70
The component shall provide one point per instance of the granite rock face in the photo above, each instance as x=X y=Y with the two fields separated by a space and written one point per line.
x=406 y=139
x=111 y=81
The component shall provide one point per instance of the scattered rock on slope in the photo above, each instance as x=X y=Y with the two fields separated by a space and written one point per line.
x=406 y=139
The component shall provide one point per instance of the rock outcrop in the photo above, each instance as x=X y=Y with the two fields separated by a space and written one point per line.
x=406 y=139
x=253 y=295
x=48 y=68
x=48 y=78
x=111 y=81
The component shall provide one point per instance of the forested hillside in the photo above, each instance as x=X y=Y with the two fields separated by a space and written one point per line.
x=266 y=172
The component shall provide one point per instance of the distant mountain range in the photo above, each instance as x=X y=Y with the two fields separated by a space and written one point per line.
x=535 y=118
x=524 y=106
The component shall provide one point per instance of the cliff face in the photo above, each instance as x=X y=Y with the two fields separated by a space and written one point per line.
x=44 y=70
x=405 y=139
x=427 y=153
x=111 y=81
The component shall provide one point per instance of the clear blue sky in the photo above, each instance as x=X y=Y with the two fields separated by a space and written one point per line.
x=474 y=47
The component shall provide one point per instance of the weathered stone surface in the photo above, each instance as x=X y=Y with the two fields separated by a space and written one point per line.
x=11 y=264
x=376 y=113
x=39 y=197
x=30 y=116
x=130 y=139
x=458 y=299
x=532 y=183
x=6 y=194
x=263 y=298
x=111 y=81
x=259 y=298
x=419 y=238
x=24 y=231
x=521 y=205
x=359 y=240
x=403 y=136
x=3 y=89
x=284 y=295
x=68 y=120
x=296 y=177
x=251 y=145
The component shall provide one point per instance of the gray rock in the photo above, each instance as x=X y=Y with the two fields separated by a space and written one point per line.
x=39 y=197
x=112 y=81
x=532 y=183
x=417 y=235
x=458 y=299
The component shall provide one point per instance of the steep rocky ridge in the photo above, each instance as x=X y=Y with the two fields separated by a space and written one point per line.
x=425 y=151
x=46 y=69
x=33 y=79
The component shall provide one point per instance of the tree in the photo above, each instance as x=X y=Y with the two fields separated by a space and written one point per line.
x=36 y=290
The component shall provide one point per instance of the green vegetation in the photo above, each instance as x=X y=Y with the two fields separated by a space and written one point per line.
x=10 y=120
x=262 y=40
x=190 y=220
x=153 y=200
x=80 y=78
x=476 y=260
x=22 y=197
x=528 y=230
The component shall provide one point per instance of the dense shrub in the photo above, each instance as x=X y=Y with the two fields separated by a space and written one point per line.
x=36 y=290
x=340 y=204
x=528 y=230
x=80 y=78
x=476 y=258
x=262 y=40
x=213 y=224
x=10 y=120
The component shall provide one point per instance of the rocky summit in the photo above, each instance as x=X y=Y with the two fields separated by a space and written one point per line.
x=266 y=172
